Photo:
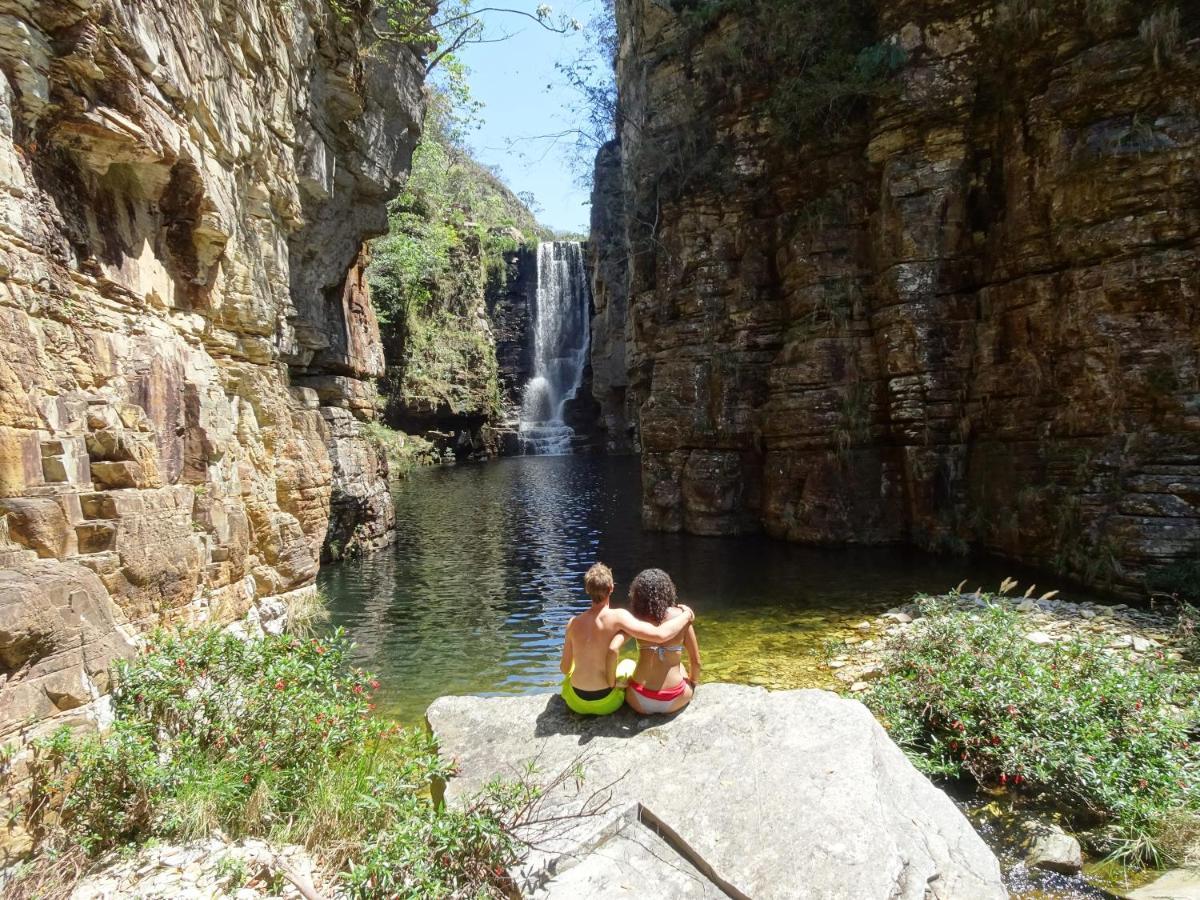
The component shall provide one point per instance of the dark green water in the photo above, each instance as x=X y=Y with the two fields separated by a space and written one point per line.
x=488 y=567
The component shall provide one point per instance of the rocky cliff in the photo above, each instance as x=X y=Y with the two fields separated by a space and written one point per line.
x=911 y=272
x=187 y=345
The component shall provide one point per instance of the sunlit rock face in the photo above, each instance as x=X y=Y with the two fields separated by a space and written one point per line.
x=969 y=318
x=186 y=345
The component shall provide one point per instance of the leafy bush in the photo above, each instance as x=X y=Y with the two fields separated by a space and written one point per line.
x=272 y=738
x=404 y=451
x=1110 y=738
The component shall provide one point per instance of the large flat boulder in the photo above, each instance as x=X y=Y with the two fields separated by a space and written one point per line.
x=747 y=792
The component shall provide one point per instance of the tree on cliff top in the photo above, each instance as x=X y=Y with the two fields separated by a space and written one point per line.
x=440 y=28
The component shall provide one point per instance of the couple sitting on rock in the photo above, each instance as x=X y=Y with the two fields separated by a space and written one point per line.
x=597 y=681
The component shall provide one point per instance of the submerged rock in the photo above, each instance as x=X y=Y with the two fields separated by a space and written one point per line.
x=1053 y=849
x=761 y=794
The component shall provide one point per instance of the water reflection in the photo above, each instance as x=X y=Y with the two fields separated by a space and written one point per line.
x=488 y=567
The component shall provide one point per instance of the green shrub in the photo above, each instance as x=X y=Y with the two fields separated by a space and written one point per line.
x=404 y=451
x=1106 y=737
x=272 y=738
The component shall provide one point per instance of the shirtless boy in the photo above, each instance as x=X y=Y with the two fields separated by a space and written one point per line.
x=593 y=642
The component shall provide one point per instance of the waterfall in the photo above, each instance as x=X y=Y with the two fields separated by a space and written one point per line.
x=560 y=347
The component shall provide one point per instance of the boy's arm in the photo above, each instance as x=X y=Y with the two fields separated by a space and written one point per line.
x=644 y=631
x=693 y=652
x=614 y=654
x=568 y=654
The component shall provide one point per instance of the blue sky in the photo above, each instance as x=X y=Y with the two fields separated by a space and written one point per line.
x=523 y=96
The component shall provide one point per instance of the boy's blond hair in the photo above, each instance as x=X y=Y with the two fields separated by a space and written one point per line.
x=598 y=582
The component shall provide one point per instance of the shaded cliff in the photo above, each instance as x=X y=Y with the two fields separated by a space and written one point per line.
x=186 y=344
x=910 y=272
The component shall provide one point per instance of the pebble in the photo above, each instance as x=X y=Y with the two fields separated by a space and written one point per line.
x=858 y=687
x=1039 y=637
x=863 y=626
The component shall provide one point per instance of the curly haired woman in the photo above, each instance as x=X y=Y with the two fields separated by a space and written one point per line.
x=660 y=684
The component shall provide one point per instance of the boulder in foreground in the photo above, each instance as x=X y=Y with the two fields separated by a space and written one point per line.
x=746 y=793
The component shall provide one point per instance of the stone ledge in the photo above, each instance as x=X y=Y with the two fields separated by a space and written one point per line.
x=782 y=794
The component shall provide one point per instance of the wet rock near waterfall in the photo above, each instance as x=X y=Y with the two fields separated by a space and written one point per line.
x=770 y=794
x=556 y=406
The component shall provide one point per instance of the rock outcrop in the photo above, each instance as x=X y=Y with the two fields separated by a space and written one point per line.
x=186 y=345
x=611 y=321
x=746 y=793
x=962 y=314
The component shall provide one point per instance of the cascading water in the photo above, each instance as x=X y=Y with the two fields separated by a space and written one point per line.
x=560 y=347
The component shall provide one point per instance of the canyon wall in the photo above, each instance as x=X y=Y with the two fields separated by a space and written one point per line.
x=186 y=342
x=963 y=313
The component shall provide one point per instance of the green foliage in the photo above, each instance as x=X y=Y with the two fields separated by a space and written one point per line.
x=1180 y=580
x=448 y=234
x=272 y=738
x=404 y=452
x=967 y=695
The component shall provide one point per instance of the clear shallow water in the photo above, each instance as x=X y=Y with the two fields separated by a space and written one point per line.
x=488 y=567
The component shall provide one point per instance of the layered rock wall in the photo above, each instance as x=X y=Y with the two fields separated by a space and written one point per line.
x=186 y=345
x=611 y=321
x=967 y=318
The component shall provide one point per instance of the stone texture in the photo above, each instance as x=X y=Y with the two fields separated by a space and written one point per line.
x=611 y=321
x=186 y=343
x=1177 y=884
x=1053 y=849
x=247 y=870
x=443 y=380
x=967 y=319
x=796 y=793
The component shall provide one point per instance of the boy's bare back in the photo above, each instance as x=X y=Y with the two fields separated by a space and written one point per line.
x=591 y=633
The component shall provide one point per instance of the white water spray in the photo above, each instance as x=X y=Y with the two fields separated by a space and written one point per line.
x=560 y=347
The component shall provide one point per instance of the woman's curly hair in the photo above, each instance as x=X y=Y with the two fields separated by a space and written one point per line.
x=651 y=594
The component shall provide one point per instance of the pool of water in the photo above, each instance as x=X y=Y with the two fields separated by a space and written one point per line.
x=488 y=567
